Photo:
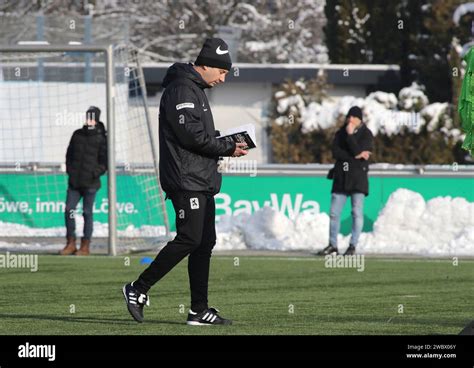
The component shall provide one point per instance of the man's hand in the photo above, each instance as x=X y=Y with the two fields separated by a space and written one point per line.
x=239 y=151
x=364 y=154
x=350 y=128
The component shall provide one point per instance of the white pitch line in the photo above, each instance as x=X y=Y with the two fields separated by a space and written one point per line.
x=367 y=258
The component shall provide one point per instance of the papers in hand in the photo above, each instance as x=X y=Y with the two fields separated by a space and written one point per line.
x=241 y=134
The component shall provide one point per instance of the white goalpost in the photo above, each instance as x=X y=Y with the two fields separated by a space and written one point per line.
x=45 y=91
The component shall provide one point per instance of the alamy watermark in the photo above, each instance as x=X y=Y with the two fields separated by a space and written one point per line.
x=37 y=351
x=340 y=261
x=238 y=166
x=69 y=118
x=9 y=260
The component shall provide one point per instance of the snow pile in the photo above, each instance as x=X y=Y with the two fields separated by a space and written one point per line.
x=319 y=116
x=437 y=118
x=12 y=229
x=412 y=98
x=378 y=117
x=229 y=232
x=461 y=11
x=100 y=230
x=291 y=104
x=442 y=226
x=408 y=224
x=432 y=113
x=387 y=100
x=39 y=246
x=272 y=230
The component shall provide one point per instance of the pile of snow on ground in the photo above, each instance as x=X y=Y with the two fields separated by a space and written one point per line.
x=442 y=226
x=408 y=224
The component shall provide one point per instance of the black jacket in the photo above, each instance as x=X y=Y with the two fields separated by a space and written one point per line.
x=189 y=150
x=86 y=157
x=351 y=174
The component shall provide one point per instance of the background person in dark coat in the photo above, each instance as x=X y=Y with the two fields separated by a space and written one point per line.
x=352 y=147
x=86 y=161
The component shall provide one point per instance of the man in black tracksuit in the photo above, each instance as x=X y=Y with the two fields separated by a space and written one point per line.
x=86 y=161
x=189 y=153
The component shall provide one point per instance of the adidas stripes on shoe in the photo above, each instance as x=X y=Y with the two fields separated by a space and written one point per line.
x=207 y=317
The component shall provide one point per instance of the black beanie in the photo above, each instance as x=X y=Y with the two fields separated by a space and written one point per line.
x=355 y=111
x=93 y=113
x=214 y=53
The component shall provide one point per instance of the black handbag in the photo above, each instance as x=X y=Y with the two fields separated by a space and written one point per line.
x=330 y=174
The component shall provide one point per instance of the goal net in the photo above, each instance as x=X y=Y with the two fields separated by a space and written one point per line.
x=45 y=92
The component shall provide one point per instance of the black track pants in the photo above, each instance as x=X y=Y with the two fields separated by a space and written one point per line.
x=196 y=236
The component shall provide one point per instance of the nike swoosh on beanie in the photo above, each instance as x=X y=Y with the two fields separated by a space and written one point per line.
x=214 y=53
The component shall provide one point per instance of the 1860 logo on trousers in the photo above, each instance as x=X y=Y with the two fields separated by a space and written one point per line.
x=194 y=203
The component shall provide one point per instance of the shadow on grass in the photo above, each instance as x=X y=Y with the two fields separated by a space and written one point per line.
x=398 y=321
x=115 y=321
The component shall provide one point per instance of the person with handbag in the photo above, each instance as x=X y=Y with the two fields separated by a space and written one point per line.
x=352 y=148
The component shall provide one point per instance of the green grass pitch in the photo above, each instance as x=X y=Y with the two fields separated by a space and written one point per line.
x=263 y=295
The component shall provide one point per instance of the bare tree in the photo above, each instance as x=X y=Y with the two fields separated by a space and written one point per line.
x=166 y=30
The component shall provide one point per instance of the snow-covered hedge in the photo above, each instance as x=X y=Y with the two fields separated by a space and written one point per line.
x=407 y=116
x=383 y=112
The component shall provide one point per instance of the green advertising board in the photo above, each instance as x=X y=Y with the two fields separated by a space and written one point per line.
x=38 y=200
x=293 y=194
